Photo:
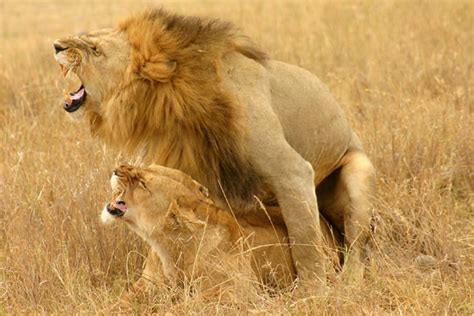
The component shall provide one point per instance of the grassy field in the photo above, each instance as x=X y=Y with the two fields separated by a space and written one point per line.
x=403 y=71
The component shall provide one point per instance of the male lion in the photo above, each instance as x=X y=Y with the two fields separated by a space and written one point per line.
x=196 y=241
x=195 y=95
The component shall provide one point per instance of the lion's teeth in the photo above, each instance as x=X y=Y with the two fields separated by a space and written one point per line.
x=64 y=70
x=72 y=83
x=67 y=97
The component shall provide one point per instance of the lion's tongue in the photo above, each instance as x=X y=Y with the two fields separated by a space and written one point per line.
x=75 y=96
x=73 y=88
x=78 y=94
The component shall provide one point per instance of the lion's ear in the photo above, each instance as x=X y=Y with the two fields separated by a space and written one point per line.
x=157 y=70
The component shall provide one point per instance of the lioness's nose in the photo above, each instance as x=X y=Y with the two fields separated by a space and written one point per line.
x=58 y=48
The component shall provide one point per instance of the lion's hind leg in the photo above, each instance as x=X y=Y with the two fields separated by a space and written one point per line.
x=344 y=198
x=358 y=177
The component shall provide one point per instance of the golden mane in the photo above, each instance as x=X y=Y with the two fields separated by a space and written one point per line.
x=170 y=105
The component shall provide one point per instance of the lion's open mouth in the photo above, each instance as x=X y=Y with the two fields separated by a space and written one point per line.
x=74 y=100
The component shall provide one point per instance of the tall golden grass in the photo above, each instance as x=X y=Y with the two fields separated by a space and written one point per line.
x=402 y=70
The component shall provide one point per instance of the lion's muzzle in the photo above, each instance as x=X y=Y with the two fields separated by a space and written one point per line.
x=74 y=100
x=68 y=60
x=58 y=47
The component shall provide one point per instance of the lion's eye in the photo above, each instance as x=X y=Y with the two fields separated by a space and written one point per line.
x=90 y=45
x=95 y=50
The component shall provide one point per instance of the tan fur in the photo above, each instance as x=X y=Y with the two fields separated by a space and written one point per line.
x=168 y=101
x=195 y=95
x=190 y=233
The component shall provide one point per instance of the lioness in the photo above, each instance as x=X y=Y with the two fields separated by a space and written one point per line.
x=196 y=95
x=194 y=238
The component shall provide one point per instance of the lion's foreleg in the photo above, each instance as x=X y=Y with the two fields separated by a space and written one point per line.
x=296 y=196
x=290 y=176
x=292 y=180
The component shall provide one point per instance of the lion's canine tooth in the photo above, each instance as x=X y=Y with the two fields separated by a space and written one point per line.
x=67 y=97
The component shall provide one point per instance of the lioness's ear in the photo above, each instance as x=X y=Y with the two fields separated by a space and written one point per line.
x=183 y=217
x=204 y=190
x=157 y=70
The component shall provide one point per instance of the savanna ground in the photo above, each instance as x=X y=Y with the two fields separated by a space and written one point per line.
x=401 y=70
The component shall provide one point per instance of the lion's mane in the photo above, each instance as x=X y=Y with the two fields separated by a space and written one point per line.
x=171 y=107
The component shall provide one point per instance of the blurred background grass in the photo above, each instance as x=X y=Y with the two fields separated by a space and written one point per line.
x=402 y=70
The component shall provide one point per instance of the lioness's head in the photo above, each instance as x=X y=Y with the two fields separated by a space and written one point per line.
x=143 y=197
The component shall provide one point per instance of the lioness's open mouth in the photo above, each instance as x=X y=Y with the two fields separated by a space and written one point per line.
x=74 y=100
x=114 y=211
x=117 y=209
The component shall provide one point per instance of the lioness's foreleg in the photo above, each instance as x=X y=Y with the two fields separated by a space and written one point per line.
x=152 y=274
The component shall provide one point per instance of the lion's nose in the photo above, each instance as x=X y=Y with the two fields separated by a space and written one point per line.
x=58 y=48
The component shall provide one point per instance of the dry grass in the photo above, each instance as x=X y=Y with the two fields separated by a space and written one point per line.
x=401 y=70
